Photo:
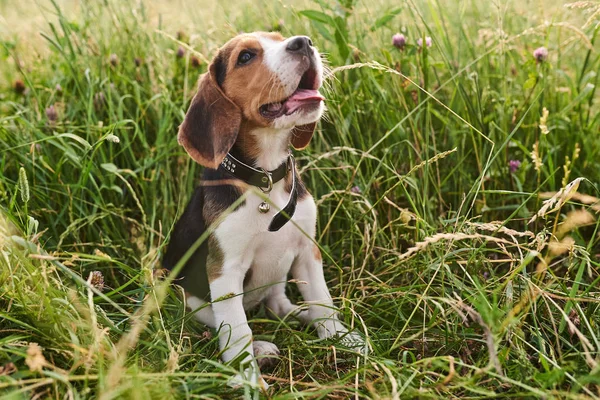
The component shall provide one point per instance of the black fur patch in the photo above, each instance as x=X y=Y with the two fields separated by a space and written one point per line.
x=219 y=197
x=302 y=192
x=187 y=230
x=192 y=224
x=300 y=187
x=221 y=68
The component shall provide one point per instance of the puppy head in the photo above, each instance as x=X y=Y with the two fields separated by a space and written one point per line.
x=258 y=78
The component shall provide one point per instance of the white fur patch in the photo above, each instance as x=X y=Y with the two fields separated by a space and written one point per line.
x=202 y=311
x=273 y=145
x=283 y=64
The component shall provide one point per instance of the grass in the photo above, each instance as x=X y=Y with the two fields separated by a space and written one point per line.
x=428 y=238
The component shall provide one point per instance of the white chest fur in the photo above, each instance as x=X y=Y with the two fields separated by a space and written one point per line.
x=264 y=257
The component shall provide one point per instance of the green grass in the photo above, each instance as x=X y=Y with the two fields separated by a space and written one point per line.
x=426 y=235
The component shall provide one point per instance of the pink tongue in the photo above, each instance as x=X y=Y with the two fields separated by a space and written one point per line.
x=301 y=97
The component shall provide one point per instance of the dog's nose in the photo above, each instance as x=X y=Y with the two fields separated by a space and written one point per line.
x=299 y=44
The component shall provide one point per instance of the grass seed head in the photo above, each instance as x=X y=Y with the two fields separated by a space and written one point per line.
x=543 y=121
x=24 y=185
x=575 y=320
x=35 y=359
x=113 y=138
x=96 y=279
x=535 y=157
x=99 y=100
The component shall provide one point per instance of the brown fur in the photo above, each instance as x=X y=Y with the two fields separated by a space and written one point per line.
x=214 y=262
x=317 y=253
x=214 y=207
x=211 y=124
x=302 y=192
x=246 y=142
x=252 y=85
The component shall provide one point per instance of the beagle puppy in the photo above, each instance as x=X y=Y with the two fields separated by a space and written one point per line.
x=259 y=96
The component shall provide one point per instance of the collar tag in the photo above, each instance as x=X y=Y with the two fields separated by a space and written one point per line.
x=287 y=212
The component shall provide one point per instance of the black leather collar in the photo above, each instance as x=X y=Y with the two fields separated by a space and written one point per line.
x=260 y=178
x=264 y=180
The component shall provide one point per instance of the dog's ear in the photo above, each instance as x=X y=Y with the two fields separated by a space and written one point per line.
x=212 y=122
x=302 y=134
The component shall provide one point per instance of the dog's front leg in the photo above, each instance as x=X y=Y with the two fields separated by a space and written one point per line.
x=235 y=336
x=308 y=269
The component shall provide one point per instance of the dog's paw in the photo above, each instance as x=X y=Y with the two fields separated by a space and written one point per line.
x=331 y=327
x=266 y=354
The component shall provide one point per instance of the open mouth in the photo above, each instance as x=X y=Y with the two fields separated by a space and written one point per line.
x=305 y=95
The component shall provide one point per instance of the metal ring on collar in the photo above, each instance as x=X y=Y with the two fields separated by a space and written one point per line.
x=266 y=179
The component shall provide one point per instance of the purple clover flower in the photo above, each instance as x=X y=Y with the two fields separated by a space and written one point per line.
x=513 y=165
x=51 y=113
x=399 y=41
x=540 y=54
x=428 y=41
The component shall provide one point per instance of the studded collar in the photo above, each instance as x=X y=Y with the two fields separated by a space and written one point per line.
x=258 y=177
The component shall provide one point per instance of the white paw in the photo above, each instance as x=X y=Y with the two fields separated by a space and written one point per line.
x=330 y=328
x=266 y=354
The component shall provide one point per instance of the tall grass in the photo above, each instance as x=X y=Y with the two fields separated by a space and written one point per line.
x=428 y=171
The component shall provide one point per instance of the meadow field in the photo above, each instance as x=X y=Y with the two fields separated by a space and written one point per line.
x=456 y=172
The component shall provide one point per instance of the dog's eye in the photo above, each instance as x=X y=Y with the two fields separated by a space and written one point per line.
x=245 y=57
